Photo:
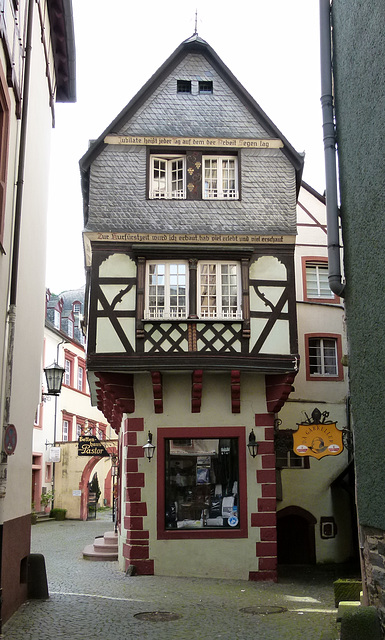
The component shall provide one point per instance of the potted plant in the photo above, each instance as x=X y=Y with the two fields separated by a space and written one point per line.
x=45 y=500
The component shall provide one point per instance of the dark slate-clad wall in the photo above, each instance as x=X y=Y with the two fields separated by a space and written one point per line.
x=220 y=114
x=359 y=47
x=118 y=175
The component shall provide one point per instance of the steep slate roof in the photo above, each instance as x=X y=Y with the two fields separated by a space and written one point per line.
x=191 y=45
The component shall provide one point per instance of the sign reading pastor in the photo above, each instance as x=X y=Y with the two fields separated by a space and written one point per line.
x=317 y=437
x=91 y=446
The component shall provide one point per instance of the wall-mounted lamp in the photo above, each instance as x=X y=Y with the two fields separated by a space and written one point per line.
x=114 y=466
x=252 y=444
x=149 y=448
x=54 y=376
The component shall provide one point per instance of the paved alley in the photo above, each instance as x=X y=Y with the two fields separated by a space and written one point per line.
x=95 y=600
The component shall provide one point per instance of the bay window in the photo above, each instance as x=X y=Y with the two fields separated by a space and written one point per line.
x=219 y=290
x=166 y=290
x=167 y=177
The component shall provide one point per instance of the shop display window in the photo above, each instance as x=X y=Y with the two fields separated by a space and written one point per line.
x=201 y=483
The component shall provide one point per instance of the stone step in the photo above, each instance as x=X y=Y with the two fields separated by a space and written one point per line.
x=103 y=549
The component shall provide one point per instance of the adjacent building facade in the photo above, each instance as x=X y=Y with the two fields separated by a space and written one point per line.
x=56 y=466
x=358 y=47
x=37 y=68
x=190 y=200
x=316 y=519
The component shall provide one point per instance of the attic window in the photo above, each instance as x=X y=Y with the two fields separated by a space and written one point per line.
x=205 y=86
x=183 y=86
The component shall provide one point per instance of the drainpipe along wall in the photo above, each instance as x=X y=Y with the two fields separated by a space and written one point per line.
x=332 y=214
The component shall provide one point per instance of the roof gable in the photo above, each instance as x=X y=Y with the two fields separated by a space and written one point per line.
x=190 y=47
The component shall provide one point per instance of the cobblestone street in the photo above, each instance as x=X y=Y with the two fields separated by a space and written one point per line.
x=95 y=600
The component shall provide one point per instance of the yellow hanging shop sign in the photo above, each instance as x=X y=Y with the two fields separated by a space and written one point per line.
x=318 y=440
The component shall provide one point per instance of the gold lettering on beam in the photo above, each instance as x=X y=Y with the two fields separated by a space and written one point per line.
x=170 y=141
x=192 y=238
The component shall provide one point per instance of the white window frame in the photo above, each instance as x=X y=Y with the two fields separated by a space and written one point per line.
x=80 y=381
x=167 y=311
x=67 y=372
x=217 y=310
x=322 y=356
x=79 y=429
x=70 y=327
x=216 y=181
x=56 y=319
x=317 y=280
x=164 y=188
x=65 y=430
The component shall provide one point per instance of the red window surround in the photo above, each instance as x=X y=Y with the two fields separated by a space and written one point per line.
x=162 y=435
x=92 y=427
x=320 y=260
x=81 y=365
x=340 y=369
x=69 y=417
x=48 y=471
x=82 y=422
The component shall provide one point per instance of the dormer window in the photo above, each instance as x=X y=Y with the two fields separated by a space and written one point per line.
x=220 y=178
x=167 y=179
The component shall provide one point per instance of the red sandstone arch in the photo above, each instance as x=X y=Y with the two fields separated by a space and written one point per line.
x=83 y=484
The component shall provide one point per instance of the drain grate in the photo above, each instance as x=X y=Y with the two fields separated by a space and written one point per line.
x=157 y=616
x=261 y=610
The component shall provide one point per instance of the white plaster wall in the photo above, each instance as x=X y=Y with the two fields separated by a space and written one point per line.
x=31 y=282
x=107 y=341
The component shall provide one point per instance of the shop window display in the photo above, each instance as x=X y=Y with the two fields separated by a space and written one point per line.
x=202 y=481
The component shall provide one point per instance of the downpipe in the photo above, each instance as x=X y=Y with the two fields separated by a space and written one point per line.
x=332 y=213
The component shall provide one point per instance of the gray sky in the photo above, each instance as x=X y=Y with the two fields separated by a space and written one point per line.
x=271 y=47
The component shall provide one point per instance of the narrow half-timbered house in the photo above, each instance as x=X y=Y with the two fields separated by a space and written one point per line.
x=190 y=223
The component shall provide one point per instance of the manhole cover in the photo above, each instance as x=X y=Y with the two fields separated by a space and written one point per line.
x=263 y=610
x=157 y=616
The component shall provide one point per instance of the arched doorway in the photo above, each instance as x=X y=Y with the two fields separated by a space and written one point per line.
x=296 y=536
x=83 y=484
